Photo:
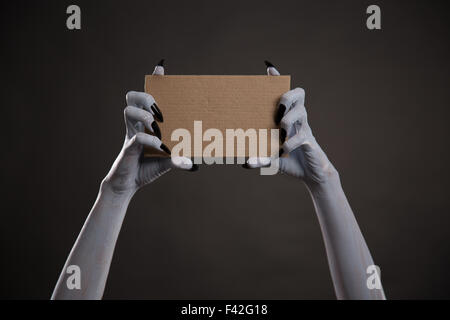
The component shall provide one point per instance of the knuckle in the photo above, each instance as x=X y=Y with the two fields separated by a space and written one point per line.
x=300 y=90
x=301 y=93
x=148 y=118
x=285 y=122
x=285 y=96
x=127 y=110
x=146 y=99
x=130 y=95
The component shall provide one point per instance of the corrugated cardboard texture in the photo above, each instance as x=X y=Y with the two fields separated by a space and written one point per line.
x=221 y=102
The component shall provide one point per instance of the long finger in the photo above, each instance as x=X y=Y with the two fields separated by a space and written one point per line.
x=152 y=142
x=147 y=140
x=134 y=115
x=145 y=101
x=287 y=101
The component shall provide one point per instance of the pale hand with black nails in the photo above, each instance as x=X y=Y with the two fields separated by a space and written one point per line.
x=93 y=250
x=302 y=157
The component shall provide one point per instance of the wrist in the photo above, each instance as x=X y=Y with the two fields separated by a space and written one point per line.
x=113 y=194
x=330 y=180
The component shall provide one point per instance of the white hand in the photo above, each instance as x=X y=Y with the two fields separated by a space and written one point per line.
x=305 y=158
x=347 y=251
x=131 y=170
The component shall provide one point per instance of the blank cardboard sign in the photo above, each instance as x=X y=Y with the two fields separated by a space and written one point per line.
x=225 y=103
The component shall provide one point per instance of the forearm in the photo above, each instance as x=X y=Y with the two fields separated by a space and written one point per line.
x=347 y=251
x=94 y=247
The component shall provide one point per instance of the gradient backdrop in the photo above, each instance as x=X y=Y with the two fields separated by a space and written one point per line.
x=378 y=103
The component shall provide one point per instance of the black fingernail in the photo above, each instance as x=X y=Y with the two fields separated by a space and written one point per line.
x=281 y=152
x=156 y=129
x=161 y=63
x=269 y=64
x=194 y=168
x=157 y=113
x=164 y=148
x=246 y=166
x=280 y=113
x=282 y=135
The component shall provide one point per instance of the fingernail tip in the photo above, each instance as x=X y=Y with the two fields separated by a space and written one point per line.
x=161 y=63
x=157 y=112
x=158 y=116
x=269 y=64
x=165 y=148
x=195 y=167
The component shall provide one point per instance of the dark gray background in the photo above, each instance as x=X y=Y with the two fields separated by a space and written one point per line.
x=377 y=102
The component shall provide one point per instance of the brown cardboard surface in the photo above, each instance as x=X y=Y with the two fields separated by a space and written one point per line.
x=221 y=102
